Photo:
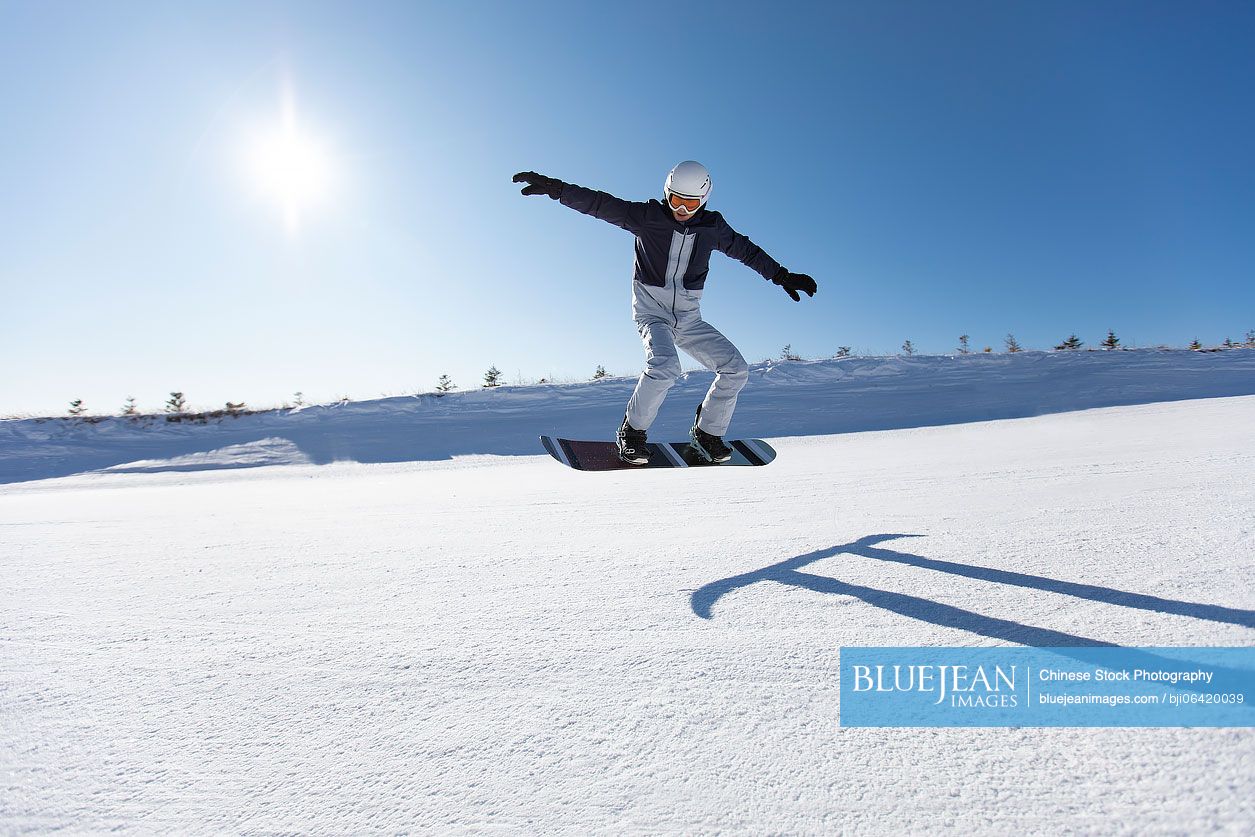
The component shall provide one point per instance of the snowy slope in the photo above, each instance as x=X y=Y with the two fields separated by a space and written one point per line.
x=782 y=399
x=497 y=643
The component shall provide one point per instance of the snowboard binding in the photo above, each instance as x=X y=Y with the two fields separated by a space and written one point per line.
x=710 y=447
x=631 y=444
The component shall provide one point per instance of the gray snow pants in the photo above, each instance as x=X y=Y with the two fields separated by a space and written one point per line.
x=707 y=346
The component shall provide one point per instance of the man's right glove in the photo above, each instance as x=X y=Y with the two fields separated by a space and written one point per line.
x=538 y=184
x=794 y=282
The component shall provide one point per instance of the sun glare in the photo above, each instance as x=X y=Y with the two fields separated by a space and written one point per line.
x=290 y=168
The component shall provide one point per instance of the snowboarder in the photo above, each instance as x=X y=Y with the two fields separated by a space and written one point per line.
x=674 y=239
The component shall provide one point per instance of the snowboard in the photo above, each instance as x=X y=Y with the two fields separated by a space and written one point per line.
x=604 y=456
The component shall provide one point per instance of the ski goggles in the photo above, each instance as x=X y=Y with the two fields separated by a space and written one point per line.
x=677 y=202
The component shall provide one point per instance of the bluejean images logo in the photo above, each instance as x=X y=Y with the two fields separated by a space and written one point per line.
x=960 y=685
x=1087 y=686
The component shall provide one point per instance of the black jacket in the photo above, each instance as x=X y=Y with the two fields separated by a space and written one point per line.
x=664 y=244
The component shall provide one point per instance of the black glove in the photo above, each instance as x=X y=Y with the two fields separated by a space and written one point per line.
x=794 y=282
x=538 y=184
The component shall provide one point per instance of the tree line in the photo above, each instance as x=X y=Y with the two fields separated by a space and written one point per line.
x=176 y=409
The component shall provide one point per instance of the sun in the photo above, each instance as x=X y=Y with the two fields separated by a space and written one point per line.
x=290 y=168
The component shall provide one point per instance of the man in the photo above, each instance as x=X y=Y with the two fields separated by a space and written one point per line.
x=674 y=239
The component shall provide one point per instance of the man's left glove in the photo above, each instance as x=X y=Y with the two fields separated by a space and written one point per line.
x=538 y=184
x=794 y=282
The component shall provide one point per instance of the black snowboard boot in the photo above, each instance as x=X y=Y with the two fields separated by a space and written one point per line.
x=711 y=447
x=631 y=443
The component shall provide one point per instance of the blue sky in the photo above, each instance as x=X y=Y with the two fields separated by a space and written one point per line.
x=940 y=169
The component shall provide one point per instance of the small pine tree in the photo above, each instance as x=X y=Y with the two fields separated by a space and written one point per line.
x=492 y=377
x=1250 y=339
x=1228 y=344
x=445 y=384
x=787 y=353
x=1111 y=342
x=600 y=373
x=963 y=345
x=908 y=347
x=176 y=404
x=1195 y=345
x=1070 y=345
x=298 y=399
x=1011 y=343
x=843 y=351
x=76 y=408
x=128 y=407
x=987 y=349
x=234 y=408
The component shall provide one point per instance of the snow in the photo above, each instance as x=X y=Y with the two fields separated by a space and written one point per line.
x=242 y=630
x=781 y=399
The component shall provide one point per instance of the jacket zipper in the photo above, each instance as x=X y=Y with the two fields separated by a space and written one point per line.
x=675 y=279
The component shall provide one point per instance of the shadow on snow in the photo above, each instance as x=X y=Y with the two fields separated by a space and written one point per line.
x=790 y=573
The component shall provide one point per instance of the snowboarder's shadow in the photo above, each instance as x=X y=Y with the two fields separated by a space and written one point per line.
x=789 y=572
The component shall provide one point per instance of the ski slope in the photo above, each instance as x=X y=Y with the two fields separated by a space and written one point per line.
x=781 y=399
x=229 y=628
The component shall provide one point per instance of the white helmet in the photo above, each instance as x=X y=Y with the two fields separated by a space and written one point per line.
x=688 y=180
